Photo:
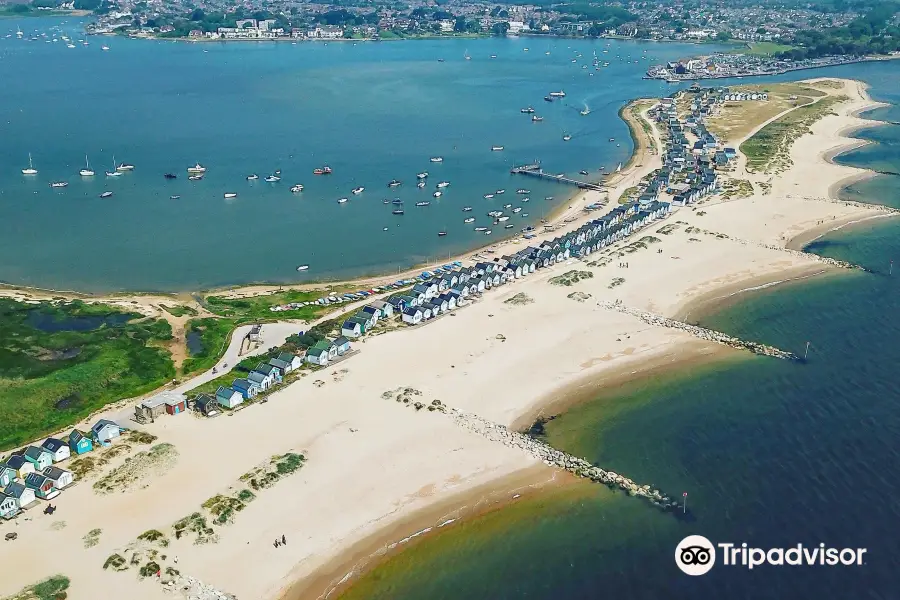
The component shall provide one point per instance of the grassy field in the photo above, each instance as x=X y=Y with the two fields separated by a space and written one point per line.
x=179 y=310
x=60 y=362
x=735 y=120
x=213 y=335
x=255 y=309
x=768 y=149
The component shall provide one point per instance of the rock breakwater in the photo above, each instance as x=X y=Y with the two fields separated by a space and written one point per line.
x=559 y=459
x=701 y=332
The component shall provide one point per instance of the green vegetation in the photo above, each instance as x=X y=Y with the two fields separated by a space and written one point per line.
x=768 y=149
x=213 y=335
x=875 y=32
x=268 y=475
x=53 y=588
x=92 y=538
x=61 y=361
x=195 y=523
x=255 y=309
x=570 y=277
x=764 y=49
x=179 y=310
x=136 y=469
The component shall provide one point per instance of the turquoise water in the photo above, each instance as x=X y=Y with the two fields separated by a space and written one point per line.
x=372 y=111
x=771 y=454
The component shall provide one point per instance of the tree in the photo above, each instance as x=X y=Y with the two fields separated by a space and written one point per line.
x=500 y=28
x=198 y=15
x=460 y=25
x=723 y=36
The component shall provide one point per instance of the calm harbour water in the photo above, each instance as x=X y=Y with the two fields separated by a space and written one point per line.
x=771 y=453
x=372 y=111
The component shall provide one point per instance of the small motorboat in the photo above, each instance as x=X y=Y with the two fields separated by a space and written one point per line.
x=422 y=175
x=170 y=176
x=469 y=220
x=198 y=168
x=303 y=268
x=106 y=195
x=420 y=185
x=583 y=172
x=59 y=184
x=488 y=196
x=230 y=195
x=567 y=137
x=442 y=233
x=494 y=213
x=509 y=226
x=422 y=203
x=503 y=218
x=467 y=209
x=523 y=191
x=527 y=111
x=175 y=197
x=397 y=211
x=488 y=232
x=385 y=201
x=507 y=206
x=394 y=183
x=438 y=194
x=195 y=177
x=526 y=199
x=397 y=201
x=125 y=167
x=536 y=119
x=443 y=184
x=524 y=215
x=496 y=148
x=517 y=209
x=252 y=177
x=548 y=99
x=297 y=188
x=498 y=192
x=272 y=179
x=481 y=229
x=437 y=159
x=342 y=200
x=358 y=190
x=548 y=198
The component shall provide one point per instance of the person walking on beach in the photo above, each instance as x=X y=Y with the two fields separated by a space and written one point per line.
x=283 y=540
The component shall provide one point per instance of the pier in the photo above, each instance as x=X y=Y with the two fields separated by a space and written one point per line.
x=535 y=170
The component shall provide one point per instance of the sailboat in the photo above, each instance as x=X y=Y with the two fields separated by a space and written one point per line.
x=467 y=57
x=619 y=168
x=586 y=111
x=86 y=171
x=114 y=172
x=30 y=170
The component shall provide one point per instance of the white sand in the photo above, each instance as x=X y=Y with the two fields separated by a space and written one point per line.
x=397 y=461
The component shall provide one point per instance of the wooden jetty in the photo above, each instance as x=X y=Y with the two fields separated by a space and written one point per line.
x=535 y=170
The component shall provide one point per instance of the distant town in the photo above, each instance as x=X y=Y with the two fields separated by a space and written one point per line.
x=768 y=36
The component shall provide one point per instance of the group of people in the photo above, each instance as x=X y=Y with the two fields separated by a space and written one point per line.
x=281 y=542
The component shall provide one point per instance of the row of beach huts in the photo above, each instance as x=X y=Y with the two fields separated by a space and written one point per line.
x=38 y=472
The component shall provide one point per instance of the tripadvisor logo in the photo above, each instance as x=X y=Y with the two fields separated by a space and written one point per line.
x=696 y=555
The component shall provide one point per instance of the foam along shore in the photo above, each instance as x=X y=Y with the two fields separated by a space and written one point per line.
x=372 y=463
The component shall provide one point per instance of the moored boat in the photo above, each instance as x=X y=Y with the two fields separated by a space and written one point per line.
x=358 y=190
x=397 y=201
x=437 y=159
x=523 y=191
x=30 y=170
x=527 y=111
x=496 y=148
x=488 y=196
x=272 y=178
x=175 y=197
x=297 y=188
x=422 y=175
x=437 y=194
x=467 y=209
x=106 y=194
x=469 y=220
x=196 y=169
x=420 y=185
x=397 y=211
x=423 y=203
x=481 y=229
x=170 y=176
x=567 y=137
x=195 y=177
x=123 y=167
x=442 y=233
x=252 y=177
x=559 y=94
x=303 y=268
x=443 y=184
x=342 y=200
x=536 y=119
x=394 y=183
x=86 y=171
x=498 y=192
x=230 y=195
x=59 y=184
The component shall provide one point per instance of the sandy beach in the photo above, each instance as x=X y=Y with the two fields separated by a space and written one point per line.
x=377 y=470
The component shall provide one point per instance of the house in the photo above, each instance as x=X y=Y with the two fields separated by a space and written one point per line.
x=175 y=405
x=343 y=345
x=317 y=356
x=206 y=404
x=9 y=506
x=7 y=475
x=151 y=408
x=329 y=347
x=351 y=329
x=39 y=457
x=286 y=362
x=228 y=397
x=79 y=443
x=372 y=312
x=43 y=487
x=246 y=388
x=364 y=321
x=24 y=495
x=412 y=315
x=57 y=449
x=59 y=477
x=396 y=302
x=387 y=310
x=255 y=333
x=268 y=370
x=105 y=430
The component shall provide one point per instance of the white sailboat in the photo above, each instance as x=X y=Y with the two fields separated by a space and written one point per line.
x=467 y=55
x=30 y=170
x=619 y=168
x=86 y=171
x=114 y=172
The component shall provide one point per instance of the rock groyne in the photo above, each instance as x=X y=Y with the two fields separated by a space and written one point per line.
x=701 y=332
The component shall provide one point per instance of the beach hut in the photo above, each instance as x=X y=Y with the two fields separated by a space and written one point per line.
x=317 y=356
x=245 y=387
x=175 y=405
x=351 y=329
x=343 y=345
x=9 y=507
x=79 y=443
x=58 y=449
x=206 y=404
x=228 y=396
x=287 y=362
x=21 y=466
x=39 y=457
x=43 y=487
x=24 y=495
x=7 y=475
x=412 y=315
x=59 y=477
x=105 y=430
